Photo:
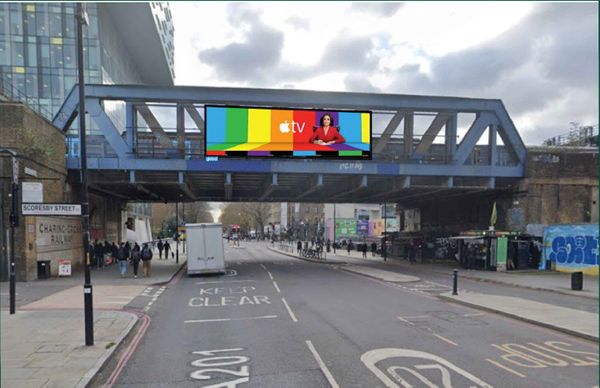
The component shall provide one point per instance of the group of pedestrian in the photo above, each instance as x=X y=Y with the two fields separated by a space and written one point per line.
x=106 y=254
x=166 y=247
x=134 y=255
x=103 y=253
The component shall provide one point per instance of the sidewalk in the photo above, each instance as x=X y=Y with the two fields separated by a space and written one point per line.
x=570 y=321
x=559 y=282
x=575 y=322
x=43 y=344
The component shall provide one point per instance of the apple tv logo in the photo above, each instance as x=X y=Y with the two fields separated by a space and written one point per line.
x=284 y=127
x=296 y=127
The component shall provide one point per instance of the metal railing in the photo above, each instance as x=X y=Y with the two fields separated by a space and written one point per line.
x=10 y=91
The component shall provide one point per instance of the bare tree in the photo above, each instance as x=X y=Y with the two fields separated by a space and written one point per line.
x=197 y=212
x=259 y=213
x=234 y=213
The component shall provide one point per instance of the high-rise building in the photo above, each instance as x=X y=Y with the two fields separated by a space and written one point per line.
x=124 y=43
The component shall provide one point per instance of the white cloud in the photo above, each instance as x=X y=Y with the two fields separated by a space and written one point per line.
x=541 y=59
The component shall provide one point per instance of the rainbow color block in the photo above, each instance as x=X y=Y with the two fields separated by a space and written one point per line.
x=263 y=132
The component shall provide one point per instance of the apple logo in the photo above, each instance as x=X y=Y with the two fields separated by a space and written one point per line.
x=284 y=127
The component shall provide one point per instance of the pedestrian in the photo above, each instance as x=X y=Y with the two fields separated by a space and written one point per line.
x=127 y=250
x=411 y=253
x=122 y=257
x=299 y=246
x=328 y=245
x=135 y=259
x=160 y=249
x=98 y=253
x=364 y=250
x=107 y=253
x=114 y=249
x=167 y=248
x=146 y=255
x=350 y=246
x=373 y=248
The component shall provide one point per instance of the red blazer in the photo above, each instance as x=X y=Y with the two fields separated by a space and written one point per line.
x=332 y=134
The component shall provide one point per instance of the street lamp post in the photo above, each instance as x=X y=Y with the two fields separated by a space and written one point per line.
x=177 y=232
x=87 y=286
x=384 y=247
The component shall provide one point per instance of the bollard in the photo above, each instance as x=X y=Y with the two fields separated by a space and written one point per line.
x=455 y=282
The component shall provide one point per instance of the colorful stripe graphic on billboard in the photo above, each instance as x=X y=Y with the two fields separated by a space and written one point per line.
x=244 y=131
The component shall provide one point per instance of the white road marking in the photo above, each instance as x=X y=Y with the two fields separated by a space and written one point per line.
x=505 y=368
x=445 y=339
x=276 y=287
x=223 y=281
x=263 y=267
x=271 y=276
x=229 y=319
x=406 y=321
x=289 y=310
x=322 y=365
x=473 y=315
x=371 y=358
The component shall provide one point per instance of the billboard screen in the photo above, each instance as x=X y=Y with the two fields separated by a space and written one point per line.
x=266 y=132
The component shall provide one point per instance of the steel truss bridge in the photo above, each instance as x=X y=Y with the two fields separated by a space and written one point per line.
x=146 y=144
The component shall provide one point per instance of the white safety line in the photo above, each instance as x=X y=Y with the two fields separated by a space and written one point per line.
x=473 y=315
x=271 y=276
x=263 y=267
x=406 y=321
x=289 y=310
x=322 y=365
x=445 y=339
x=276 y=286
x=223 y=281
x=229 y=319
x=505 y=368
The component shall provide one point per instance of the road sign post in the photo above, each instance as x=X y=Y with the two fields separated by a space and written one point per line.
x=81 y=19
x=14 y=222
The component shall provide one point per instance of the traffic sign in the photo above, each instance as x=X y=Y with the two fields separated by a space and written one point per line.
x=50 y=209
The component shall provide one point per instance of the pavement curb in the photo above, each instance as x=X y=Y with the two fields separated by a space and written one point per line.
x=417 y=279
x=520 y=318
x=90 y=374
x=181 y=267
x=483 y=280
x=306 y=259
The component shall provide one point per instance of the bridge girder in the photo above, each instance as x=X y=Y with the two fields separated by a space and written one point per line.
x=398 y=159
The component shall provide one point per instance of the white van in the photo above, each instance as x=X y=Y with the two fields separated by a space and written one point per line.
x=206 y=254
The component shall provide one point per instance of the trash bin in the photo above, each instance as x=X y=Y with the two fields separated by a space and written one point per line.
x=577 y=281
x=43 y=269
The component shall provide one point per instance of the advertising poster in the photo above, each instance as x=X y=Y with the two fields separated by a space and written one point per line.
x=345 y=228
x=264 y=132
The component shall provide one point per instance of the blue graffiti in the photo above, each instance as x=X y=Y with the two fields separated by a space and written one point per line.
x=575 y=250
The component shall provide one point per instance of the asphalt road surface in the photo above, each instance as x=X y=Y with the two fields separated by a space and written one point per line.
x=275 y=321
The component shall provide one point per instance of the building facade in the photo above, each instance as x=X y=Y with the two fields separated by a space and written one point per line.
x=38 y=49
x=124 y=43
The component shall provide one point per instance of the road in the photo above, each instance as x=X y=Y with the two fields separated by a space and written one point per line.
x=276 y=321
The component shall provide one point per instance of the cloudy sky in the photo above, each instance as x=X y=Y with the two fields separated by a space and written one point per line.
x=541 y=59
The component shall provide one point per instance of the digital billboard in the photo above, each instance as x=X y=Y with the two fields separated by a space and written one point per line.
x=269 y=132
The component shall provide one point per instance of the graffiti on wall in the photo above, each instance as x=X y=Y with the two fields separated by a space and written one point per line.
x=571 y=246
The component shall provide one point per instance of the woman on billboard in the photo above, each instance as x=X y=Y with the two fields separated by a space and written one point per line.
x=326 y=134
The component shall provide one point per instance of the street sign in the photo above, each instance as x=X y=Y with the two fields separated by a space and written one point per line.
x=50 y=209
x=32 y=192
x=64 y=268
